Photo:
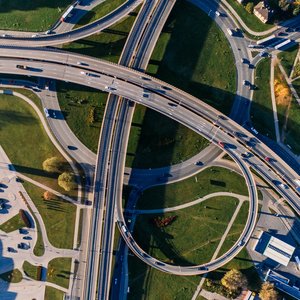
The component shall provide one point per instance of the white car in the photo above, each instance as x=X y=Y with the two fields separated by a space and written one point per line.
x=83 y=73
x=254 y=130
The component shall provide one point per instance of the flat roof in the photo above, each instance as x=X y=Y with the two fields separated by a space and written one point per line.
x=279 y=251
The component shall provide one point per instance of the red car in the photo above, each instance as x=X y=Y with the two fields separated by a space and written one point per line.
x=267 y=158
x=221 y=144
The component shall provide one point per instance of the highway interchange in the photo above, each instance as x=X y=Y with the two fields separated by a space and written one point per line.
x=148 y=91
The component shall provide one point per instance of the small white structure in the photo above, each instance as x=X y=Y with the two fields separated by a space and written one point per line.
x=279 y=251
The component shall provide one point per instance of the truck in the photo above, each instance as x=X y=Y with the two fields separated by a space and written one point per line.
x=230 y=31
x=67 y=13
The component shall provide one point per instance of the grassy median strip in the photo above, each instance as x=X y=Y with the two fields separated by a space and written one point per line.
x=58 y=216
x=210 y=180
x=261 y=107
x=37 y=15
x=59 y=271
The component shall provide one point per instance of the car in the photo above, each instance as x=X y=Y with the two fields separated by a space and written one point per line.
x=267 y=158
x=203 y=268
x=254 y=130
x=159 y=263
x=284 y=186
x=23 y=67
x=146 y=95
x=218 y=13
x=11 y=249
x=27 y=237
x=244 y=155
x=23 y=231
x=198 y=163
x=79 y=63
x=84 y=73
x=240 y=243
x=221 y=144
x=48 y=31
x=46 y=112
x=116 y=280
x=245 y=82
x=34 y=35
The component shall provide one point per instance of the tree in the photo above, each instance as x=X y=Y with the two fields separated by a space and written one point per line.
x=268 y=292
x=284 y=5
x=67 y=181
x=296 y=10
x=234 y=280
x=53 y=165
x=249 y=7
x=47 y=195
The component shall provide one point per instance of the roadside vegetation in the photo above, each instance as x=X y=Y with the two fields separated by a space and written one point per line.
x=13 y=276
x=99 y=11
x=83 y=109
x=53 y=294
x=13 y=224
x=187 y=236
x=287 y=58
x=291 y=123
x=38 y=15
x=59 y=271
x=210 y=180
x=261 y=108
x=21 y=125
x=248 y=17
x=58 y=216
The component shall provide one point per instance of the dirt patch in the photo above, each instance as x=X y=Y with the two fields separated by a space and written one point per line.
x=282 y=91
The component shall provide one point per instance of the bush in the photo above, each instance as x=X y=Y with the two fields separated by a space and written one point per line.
x=53 y=165
x=67 y=181
x=249 y=7
x=234 y=280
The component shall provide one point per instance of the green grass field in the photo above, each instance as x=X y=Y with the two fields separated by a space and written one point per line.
x=192 y=238
x=58 y=216
x=13 y=276
x=160 y=143
x=242 y=261
x=249 y=19
x=108 y=44
x=99 y=11
x=59 y=271
x=30 y=270
x=37 y=15
x=151 y=284
x=192 y=54
x=12 y=224
x=292 y=135
x=211 y=180
x=261 y=107
x=39 y=248
x=76 y=102
x=20 y=125
x=287 y=58
x=53 y=294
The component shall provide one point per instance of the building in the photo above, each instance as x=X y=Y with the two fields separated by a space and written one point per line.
x=262 y=11
x=284 y=284
x=274 y=248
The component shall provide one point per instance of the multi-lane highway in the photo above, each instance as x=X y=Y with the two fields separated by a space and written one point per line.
x=159 y=96
x=76 y=34
x=164 y=98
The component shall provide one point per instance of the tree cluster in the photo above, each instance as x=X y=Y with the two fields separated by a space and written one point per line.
x=163 y=222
